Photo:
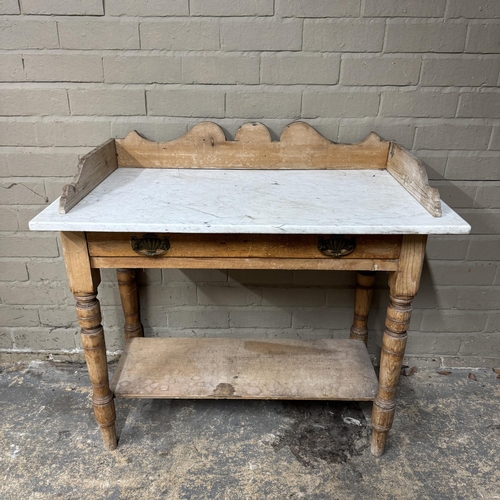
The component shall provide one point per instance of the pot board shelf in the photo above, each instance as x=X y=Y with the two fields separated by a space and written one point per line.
x=219 y=368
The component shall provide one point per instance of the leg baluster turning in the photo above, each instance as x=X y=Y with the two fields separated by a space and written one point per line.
x=393 y=348
x=88 y=311
x=362 y=302
x=129 y=294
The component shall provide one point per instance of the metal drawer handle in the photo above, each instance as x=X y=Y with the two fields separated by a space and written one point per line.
x=150 y=245
x=336 y=245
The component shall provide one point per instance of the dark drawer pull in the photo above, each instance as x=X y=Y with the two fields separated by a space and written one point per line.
x=336 y=245
x=150 y=245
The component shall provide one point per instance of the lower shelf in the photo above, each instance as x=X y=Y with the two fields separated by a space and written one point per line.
x=171 y=368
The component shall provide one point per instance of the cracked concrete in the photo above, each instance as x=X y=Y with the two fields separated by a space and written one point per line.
x=445 y=443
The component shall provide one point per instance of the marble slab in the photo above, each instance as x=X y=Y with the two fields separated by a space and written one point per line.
x=250 y=201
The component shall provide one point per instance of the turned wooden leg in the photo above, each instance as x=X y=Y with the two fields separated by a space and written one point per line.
x=362 y=302
x=391 y=357
x=129 y=294
x=88 y=311
x=83 y=282
x=403 y=285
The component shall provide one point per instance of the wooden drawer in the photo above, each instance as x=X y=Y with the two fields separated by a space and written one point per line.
x=242 y=246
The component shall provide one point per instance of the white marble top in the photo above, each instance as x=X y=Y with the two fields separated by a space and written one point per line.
x=250 y=201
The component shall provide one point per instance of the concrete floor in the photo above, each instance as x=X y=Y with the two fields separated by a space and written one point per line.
x=445 y=443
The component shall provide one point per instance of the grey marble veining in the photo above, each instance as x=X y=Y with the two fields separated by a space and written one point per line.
x=250 y=201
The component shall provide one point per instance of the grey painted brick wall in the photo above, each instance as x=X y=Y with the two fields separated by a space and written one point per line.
x=425 y=73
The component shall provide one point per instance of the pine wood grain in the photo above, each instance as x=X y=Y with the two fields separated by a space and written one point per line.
x=403 y=286
x=411 y=173
x=88 y=311
x=83 y=282
x=81 y=276
x=129 y=296
x=250 y=263
x=362 y=302
x=93 y=168
x=243 y=246
x=205 y=146
x=245 y=369
x=406 y=281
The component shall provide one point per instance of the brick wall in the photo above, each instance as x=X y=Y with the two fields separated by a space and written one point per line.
x=422 y=72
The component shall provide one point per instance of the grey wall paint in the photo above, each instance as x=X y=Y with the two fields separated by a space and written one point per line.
x=426 y=74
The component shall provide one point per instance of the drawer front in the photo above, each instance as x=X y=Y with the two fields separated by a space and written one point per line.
x=241 y=246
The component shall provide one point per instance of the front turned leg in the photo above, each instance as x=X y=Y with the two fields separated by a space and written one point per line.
x=88 y=311
x=362 y=302
x=393 y=349
x=403 y=286
x=129 y=295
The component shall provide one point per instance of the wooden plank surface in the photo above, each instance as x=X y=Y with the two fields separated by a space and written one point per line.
x=411 y=173
x=82 y=276
x=406 y=281
x=93 y=168
x=250 y=263
x=247 y=369
x=205 y=146
x=250 y=245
